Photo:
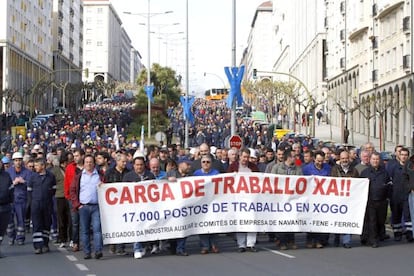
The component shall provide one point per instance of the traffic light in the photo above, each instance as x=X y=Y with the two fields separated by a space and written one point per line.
x=254 y=73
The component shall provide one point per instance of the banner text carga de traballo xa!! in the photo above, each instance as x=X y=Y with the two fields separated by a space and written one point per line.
x=242 y=202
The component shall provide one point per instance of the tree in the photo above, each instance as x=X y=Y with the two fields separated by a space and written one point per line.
x=167 y=92
x=366 y=110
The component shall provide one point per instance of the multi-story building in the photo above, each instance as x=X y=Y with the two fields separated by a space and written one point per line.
x=369 y=65
x=108 y=55
x=25 y=53
x=259 y=54
x=67 y=53
x=354 y=56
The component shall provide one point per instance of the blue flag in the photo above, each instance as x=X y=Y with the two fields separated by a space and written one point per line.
x=149 y=89
x=187 y=103
x=235 y=78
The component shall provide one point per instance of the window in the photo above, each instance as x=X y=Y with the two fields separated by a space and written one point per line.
x=99 y=43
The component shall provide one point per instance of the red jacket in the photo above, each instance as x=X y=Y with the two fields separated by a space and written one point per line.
x=70 y=173
x=74 y=190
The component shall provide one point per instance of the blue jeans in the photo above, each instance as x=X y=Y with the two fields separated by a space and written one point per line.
x=208 y=240
x=181 y=245
x=346 y=238
x=138 y=247
x=89 y=216
x=411 y=206
x=75 y=224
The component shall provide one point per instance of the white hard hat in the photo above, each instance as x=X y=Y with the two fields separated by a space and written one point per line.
x=138 y=153
x=17 y=155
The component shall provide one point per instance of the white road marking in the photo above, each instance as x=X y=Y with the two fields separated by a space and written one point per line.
x=72 y=258
x=279 y=253
x=82 y=267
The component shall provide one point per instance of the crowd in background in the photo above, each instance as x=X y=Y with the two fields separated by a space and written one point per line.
x=49 y=176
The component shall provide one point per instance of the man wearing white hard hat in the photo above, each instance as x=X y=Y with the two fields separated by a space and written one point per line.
x=20 y=177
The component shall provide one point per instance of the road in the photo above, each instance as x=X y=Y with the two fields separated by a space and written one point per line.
x=390 y=258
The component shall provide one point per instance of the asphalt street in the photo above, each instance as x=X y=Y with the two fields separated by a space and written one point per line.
x=391 y=258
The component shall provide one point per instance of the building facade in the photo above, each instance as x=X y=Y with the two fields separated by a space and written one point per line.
x=25 y=53
x=67 y=48
x=354 y=57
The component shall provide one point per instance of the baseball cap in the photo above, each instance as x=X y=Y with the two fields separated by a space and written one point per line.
x=184 y=159
x=36 y=147
x=5 y=160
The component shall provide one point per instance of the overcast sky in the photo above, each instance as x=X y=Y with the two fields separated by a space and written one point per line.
x=210 y=35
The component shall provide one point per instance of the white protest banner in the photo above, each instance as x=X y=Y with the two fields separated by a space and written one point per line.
x=242 y=202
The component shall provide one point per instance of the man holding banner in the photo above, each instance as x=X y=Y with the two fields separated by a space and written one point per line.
x=245 y=240
x=344 y=169
x=183 y=170
x=317 y=167
x=208 y=241
x=138 y=174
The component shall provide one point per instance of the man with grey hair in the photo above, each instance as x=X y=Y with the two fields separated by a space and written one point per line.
x=112 y=175
x=205 y=150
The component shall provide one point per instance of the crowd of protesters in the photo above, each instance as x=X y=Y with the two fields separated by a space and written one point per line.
x=49 y=177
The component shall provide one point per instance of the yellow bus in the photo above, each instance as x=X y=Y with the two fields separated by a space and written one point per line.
x=216 y=94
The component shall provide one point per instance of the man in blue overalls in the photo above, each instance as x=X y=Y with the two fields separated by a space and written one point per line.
x=20 y=177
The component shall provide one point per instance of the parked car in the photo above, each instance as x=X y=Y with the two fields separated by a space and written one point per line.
x=61 y=110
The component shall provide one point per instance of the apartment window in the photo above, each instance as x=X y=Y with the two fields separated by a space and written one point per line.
x=88 y=42
x=100 y=10
x=99 y=43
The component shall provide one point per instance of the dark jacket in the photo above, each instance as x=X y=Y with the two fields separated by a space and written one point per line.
x=132 y=176
x=234 y=167
x=379 y=182
x=6 y=190
x=398 y=191
x=112 y=175
x=409 y=176
x=42 y=187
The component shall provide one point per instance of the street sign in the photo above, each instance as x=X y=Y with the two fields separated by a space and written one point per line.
x=235 y=141
x=160 y=136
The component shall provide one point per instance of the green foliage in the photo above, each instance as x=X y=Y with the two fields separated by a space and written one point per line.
x=167 y=92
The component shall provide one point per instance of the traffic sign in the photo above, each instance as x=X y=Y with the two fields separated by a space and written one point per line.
x=236 y=141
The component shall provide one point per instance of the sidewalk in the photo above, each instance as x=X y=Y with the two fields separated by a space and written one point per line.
x=323 y=132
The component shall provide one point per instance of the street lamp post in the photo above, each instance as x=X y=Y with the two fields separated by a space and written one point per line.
x=187 y=81
x=217 y=76
x=148 y=16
